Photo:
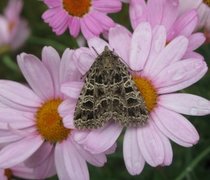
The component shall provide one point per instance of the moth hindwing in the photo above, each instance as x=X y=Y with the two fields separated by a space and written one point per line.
x=109 y=93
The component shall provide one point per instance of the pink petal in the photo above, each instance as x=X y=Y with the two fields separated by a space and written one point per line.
x=77 y=167
x=68 y=121
x=195 y=41
x=150 y=144
x=175 y=126
x=84 y=59
x=93 y=25
x=112 y=149
x=157 y=45
x=133 y=158
x=180 y=75
x=105 y=21
x=16 y=119
x=60 y=18
x=7 y=136
x=185 y=24
x=13 y=9
x=97 y=159
x=12 y=154
x=173 y=52
x=188 y=5
x=74 y=27
x=52 y=3
x=117 y=34
x=61 y=167
x=39 y=156
x=168 y=152
x=185 y=103
x=140 y=46
x=18 y=94
x=51 y=60
x=66 y=107
x=47 y=168
x=107 y=6
x=98 y=45
x=155 y=10
x=105 y=138
x=22 y=171
x=170 y=13
x=36 y=75
x=86 y=31
x=68 y=71
x=72 y=89
x=137 y=12
x=48 y=14
x=21 y=34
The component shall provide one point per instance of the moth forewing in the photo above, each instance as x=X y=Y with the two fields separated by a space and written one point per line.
x=109 y=92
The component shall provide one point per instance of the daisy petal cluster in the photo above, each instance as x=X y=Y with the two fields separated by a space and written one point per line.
x=203 y=9
x=159 y=69
x=166 y=13
x=34 y=124
x=13 y=29
x=88 y=16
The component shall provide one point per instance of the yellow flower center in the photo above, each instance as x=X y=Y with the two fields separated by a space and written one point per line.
x=77 y=7
x=147 y=90
x=8 y=174
x=49 y=123
x=207 y=2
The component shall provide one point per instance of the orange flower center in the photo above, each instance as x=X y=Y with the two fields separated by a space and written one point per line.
x=147 y=91
x=8 y=174
x=207 y=2
x=77 y=7
x=11 y=26
x=49 y=123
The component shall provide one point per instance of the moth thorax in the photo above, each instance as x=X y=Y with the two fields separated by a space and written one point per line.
x=108 y=62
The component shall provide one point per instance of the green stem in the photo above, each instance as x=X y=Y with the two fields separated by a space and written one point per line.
x=193 y=164
x=10 y=63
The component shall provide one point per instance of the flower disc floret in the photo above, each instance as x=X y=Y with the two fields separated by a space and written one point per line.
x=49 y=123
x=147 y=90
x=77 y=7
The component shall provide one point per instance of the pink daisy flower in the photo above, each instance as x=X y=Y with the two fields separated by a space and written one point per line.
x=89 y=16
x=13 y=30
x=203 y=9
x=18 y=171
x=34 y=123
x=160 y=71
x=166 y=13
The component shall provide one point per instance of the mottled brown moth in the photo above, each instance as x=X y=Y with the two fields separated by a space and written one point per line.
x=109 y=93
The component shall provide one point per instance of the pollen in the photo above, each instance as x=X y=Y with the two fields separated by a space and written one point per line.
x=147 y=91
x=77 y=7
x=8 y=174
x=207 y=2
x=49 y=123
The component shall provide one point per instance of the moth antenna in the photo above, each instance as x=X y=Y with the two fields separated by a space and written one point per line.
x=95 y=50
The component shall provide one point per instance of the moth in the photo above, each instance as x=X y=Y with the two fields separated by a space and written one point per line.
x=109 y=93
